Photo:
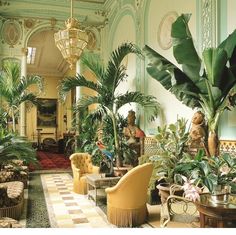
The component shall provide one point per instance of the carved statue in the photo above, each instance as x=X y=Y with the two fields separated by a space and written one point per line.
x=197 y=132
x=134 y=135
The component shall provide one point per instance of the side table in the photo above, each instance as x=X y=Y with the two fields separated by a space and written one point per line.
x=222 y=215
x=96 y=182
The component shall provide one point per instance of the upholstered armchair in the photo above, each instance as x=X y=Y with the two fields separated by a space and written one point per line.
x=81 y=165
x=126 y=201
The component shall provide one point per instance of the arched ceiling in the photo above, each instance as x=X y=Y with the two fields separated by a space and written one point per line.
x=49 y=61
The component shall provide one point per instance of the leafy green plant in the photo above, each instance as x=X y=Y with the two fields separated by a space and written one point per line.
x=171 y=142
x=205 y=83
x=13 y=147
x=208 y=172
x=14 y=89
x=107 y=98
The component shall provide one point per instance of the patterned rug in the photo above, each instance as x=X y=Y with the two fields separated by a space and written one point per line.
x=48 y=160
x=52 y=204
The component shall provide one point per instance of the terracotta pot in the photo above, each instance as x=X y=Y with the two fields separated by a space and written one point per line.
x=164 y=191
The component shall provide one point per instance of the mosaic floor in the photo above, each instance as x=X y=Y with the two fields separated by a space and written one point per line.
x=67 y=209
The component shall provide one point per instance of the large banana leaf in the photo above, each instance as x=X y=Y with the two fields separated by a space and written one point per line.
x=172 y=78
x=195 y=85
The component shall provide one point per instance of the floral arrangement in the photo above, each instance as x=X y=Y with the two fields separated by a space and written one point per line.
x=202 y=172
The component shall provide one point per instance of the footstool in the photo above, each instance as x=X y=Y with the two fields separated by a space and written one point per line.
x=11 y=199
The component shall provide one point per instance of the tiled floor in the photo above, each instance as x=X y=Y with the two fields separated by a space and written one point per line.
x=67 y=209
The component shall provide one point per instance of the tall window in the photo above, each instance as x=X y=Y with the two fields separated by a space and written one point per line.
x=31 y=55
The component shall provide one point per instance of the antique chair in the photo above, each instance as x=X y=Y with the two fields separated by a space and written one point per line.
x=179 y=211
x=126 y=201
x=81 y=165
x=49 y=144
x=11 y=199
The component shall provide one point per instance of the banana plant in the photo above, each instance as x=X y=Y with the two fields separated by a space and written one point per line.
x=108 y=99
x=203 y=83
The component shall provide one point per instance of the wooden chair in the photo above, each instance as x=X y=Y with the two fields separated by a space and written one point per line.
x=180 y=212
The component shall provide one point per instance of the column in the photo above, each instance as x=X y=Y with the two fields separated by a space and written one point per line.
x=22 y=122
x=77 y=97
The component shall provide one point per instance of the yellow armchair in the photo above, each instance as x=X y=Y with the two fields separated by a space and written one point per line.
x=126 y=201
x=81 y=165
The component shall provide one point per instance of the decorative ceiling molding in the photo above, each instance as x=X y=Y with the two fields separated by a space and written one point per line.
x=4 y=3
x=208 y=23
x=86 y=11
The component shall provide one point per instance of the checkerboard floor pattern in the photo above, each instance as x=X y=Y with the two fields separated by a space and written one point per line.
x=67 y=209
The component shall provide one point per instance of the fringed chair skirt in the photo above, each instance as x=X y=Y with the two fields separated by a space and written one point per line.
x=127 y=217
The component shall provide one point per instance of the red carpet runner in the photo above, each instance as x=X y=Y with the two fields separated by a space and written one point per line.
x=49 y=161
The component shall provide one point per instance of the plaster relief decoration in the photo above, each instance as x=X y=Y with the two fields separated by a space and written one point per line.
x=29 y=23
x=4 y=3
x=11 y=32
x=209 y=23
x=164 y=30
x=138 y=3
x=91 y=40
x=47 y=113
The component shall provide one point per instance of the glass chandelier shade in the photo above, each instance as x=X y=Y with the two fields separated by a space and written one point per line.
x=71 y=41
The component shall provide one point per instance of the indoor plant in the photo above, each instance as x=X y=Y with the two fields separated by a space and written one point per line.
x=107 y=98
x=205 y=83
x=202 y=172
x=171 y=143
x=14 y=147
x=15 y=89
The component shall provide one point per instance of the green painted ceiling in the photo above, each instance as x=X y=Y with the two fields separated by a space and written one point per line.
x=84 y=10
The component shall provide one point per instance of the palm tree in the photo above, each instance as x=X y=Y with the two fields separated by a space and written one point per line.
x=206 y=84
x=13 y=147
x=14 y=89
x=108 y=100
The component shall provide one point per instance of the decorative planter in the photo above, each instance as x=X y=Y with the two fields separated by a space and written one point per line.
x=164 y=191
x=220 y=194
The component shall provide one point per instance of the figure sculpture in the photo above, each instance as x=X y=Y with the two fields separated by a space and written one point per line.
x=134 y=136
x=197 y=134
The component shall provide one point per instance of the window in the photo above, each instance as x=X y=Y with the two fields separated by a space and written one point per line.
x=31 y=55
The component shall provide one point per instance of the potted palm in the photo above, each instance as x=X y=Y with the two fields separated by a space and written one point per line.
x=205 y=83
x=14 y=147
x=15 y=89
x=107 y=98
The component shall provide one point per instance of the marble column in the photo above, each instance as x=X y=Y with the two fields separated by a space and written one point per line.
x=22 y=123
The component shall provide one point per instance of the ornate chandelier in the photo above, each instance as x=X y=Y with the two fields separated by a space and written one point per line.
x=71 y=41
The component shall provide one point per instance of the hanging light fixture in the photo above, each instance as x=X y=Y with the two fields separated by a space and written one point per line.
x=71 y=41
